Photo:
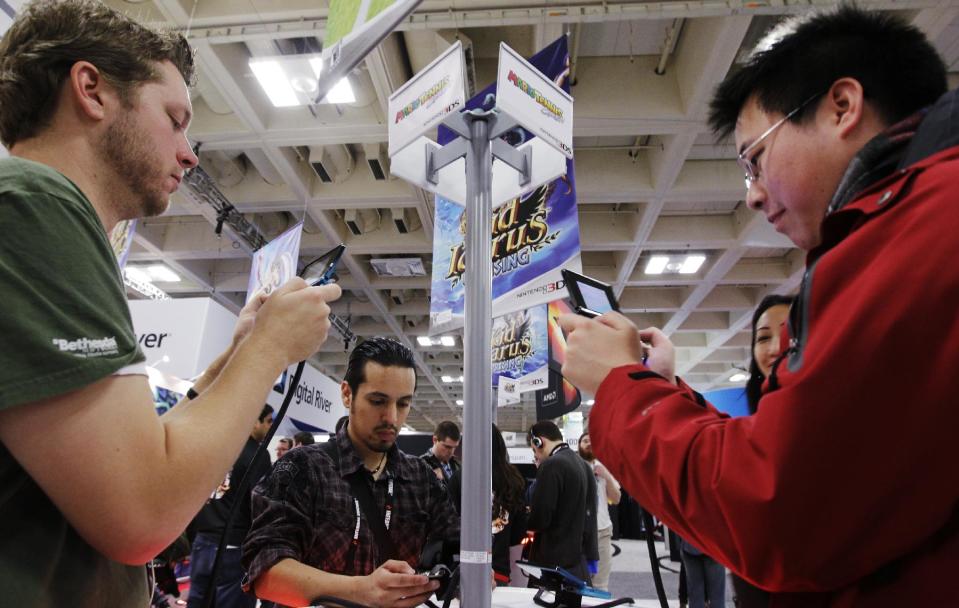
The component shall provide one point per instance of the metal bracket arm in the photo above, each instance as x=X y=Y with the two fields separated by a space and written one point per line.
x=456 y=122
x=437 y=159
x=521 y=160
x=504 y=124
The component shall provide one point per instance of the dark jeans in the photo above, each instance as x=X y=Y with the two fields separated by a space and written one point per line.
x=228 y=591
x=705 y=581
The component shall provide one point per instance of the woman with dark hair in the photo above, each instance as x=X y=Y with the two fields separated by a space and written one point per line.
x=509 y=506
x=767 y=327
x=768 y=321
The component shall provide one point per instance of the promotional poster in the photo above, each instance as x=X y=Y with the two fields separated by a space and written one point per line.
x=121 y=238
x=559 y=397
x=519 y=353
x=275 y=263
x=533 y=237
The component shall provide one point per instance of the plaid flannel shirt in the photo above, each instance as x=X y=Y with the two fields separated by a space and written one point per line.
x=304 y=510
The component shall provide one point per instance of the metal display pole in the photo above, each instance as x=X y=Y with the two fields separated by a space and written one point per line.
x=435 y=95
x=476 y=531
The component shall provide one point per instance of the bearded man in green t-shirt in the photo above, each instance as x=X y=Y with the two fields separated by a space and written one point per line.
x=94 y=110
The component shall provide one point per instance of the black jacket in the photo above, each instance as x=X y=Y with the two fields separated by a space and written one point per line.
x=563 y=513
x=435 y=463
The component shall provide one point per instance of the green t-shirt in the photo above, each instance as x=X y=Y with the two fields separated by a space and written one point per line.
x=65 y=325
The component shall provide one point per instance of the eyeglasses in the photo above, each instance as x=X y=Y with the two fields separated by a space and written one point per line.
x=747 y=164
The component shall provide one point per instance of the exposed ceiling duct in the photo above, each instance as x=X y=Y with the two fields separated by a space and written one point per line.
x=414 y=320
x=360 y=221
x=273 y=224
x=401 y=296
x=228 y=168
x=211 y=96
x=377 y=160
x=333 y=163
x=264 y=166
x=405 y=219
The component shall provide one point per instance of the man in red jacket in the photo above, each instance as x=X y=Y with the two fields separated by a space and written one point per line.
x=843 y=489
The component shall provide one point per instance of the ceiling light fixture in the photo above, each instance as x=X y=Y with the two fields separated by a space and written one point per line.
x=738 y=377
x=139 y=281
x=398 y=267
x=137 y=274
x=459 y=402
x=274 y=82
x=162 y=274
x=438 y=341
x=292 y=80
x=692 y=263
x=675 y=264
x=657 y=264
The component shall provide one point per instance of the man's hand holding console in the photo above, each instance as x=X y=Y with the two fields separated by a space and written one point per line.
x=594 y=347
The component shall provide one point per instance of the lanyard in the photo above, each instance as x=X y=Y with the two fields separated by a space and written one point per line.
x=386 y=517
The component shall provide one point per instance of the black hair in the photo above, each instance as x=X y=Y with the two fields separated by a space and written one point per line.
x=385 y=351
x=447 y=430
x=304 y=438
x=899 y=70
x=545 y=429
x=755 y=383
x=509 y=487
x=267 y=410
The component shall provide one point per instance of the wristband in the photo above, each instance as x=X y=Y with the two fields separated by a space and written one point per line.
x=191 y=394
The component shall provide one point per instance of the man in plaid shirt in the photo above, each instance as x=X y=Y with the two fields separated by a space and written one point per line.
x=309 y=535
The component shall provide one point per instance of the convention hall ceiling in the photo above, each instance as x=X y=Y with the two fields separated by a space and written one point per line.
x=651 y=178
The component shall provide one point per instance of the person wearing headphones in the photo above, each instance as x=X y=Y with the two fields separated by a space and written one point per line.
x=563 y=504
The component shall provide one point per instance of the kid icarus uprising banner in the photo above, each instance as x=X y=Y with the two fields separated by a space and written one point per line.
x=533 y=237
x=519 y=353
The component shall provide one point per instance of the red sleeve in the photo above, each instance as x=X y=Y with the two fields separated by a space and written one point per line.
x=774 y=497
x=851 y=465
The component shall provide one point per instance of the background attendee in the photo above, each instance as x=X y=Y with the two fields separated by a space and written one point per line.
x=283 y=445
x=849 y=146
x=94 y=110
x=446 y=438
x=563 y=504
x=705 y=578
x=309 y=537
x=607 y=493
x=509 y=507
x=303 y=438
x=768 y=328
x=210 y=524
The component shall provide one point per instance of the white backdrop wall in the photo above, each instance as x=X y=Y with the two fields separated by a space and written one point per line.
x=191 y=332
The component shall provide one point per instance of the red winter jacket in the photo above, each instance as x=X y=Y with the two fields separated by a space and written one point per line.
x=843 y=490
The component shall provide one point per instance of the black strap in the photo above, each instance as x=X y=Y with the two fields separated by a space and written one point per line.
x=374 y=516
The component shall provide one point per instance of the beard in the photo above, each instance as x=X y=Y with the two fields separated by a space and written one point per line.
x=139 y=191
x=375 y=444
x=586 y=454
